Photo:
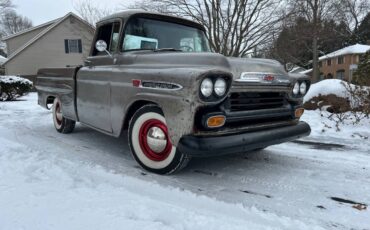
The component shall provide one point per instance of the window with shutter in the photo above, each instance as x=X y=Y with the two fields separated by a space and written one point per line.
x=73 y=45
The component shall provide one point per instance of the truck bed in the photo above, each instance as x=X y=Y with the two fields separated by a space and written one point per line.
x=61 y=83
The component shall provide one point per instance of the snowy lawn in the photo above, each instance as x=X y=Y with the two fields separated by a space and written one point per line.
x=87 y=180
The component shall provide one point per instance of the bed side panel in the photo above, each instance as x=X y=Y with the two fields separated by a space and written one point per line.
x=58 y=82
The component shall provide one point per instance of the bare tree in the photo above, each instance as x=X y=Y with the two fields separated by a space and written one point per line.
x=152 y=6
x=234 y=27
x=5 y=5
x=352 y=12
x=91 y=12
x=315 y=12
x=12 y=23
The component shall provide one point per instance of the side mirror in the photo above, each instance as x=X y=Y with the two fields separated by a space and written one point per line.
x=101 y=46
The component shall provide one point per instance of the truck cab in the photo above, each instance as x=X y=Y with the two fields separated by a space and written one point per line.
x=156 y=76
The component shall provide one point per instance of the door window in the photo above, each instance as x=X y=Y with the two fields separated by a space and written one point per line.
x=110 y=34
x=115 y=37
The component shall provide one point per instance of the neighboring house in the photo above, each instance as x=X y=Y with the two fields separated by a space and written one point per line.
x=58 y=43
x=342 y=63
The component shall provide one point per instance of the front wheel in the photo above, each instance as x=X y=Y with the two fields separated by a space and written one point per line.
x=150 y=143
x=61 y=124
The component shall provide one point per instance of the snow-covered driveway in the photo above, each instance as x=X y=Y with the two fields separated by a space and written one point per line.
x=87 y=180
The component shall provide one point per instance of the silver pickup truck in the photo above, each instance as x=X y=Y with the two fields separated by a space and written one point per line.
x=156 y=76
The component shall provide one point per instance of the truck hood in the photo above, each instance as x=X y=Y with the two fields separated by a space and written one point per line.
x=255 y=65
x=180 y=59
x=207 y=61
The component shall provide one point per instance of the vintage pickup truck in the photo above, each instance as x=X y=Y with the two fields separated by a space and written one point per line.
x=156 y=76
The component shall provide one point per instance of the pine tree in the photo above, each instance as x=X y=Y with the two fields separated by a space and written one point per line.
x=362 y=74
x=362 y=34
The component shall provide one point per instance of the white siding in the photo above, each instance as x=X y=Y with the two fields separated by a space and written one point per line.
x=49 y=50
x=15 y=43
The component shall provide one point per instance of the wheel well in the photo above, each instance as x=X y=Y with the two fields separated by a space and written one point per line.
x=133 y=108
x=49 y=100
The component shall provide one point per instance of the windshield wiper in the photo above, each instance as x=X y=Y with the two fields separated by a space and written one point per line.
x=167 y=49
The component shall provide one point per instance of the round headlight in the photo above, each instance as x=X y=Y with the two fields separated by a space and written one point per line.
x=220 y=87
x=206 y=88
x=303 y=88
x=296 y=88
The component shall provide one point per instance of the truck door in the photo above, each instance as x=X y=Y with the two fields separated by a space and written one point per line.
x=93 y=80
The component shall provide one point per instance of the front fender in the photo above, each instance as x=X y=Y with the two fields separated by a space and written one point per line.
x=178 y=111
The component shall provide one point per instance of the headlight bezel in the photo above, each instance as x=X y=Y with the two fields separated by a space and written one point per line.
x=305 y=88
x=214 y=97
x=210 y=87
x=296 y=89
x=217 y=86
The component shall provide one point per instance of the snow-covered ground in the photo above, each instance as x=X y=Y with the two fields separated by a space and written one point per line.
x=86 y=180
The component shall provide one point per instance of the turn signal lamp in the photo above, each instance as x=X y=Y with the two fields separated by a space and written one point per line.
x=299 y=112
x=216 y=121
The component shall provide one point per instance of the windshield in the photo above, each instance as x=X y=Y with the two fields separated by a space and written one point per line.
x=142 y=33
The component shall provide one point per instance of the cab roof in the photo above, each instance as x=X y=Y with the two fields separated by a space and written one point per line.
x=125 y=15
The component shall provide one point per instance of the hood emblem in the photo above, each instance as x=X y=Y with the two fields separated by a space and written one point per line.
x=268 y=78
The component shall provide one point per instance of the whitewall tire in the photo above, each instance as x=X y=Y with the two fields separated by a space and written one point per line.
x=61 y=124
x=150 y=143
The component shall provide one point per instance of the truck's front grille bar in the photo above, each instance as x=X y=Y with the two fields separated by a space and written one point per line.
x=254 y=101
x=245 y=109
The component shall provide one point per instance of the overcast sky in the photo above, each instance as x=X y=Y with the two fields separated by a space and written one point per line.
x=40 y=11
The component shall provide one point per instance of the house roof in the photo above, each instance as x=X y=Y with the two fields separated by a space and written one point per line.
x=29 y=29
x=44 y=32
x=354 y=49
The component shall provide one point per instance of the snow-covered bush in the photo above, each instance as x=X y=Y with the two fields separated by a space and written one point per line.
x=12 y=87
x=344 y=101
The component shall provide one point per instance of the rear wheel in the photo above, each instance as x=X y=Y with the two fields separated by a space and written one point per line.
x=150 y=143
x=61 y=124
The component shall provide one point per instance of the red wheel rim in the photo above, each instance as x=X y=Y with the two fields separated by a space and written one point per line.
x=57 y=110
x=154 y=156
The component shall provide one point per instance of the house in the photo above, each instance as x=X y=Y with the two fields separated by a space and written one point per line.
x=342 y=63
x=58 y=43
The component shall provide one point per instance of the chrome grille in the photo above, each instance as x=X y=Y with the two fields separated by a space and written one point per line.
x=255 y=101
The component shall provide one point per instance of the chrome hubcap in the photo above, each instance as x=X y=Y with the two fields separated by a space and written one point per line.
x=156 y=139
